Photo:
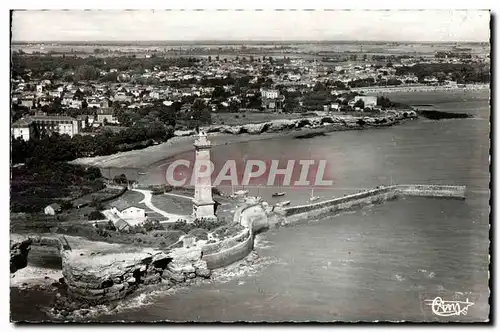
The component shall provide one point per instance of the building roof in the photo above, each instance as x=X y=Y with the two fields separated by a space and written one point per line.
x=55 y=206
x=103 y=111
x=119 y=204
x=121 y=224
x=21 y=123
x=25 y=122
x=52 y=118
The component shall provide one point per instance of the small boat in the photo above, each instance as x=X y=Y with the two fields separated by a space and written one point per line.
x=142 y=173
x=284 y=203
x=241 y=192
x=313 y=198
x=278 y=194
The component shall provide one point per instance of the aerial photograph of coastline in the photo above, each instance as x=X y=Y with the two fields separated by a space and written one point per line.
x=299 y=166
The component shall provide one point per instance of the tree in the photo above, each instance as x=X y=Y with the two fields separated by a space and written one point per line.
x=95 y=215
x=360 y=103
x=319 y=87
x=93 y=173
x=86 y=73
x=120 y=179
x=209 y=58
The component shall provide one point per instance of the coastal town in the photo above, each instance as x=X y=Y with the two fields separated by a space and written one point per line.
x=91 y=96
x=92 y=125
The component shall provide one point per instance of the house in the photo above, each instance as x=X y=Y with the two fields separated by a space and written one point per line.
x=93 y=102
x=106 y=114
x=67 y=99
x=105 y=103
x=75 y=103
x=83 y=120
x=52 y=209
x=28 y=101
x=24 y=127
x=335 y=107
x=123 y=210
x=122 y=96
x=369 y=101
x=271 y=99
x=44 y=102
x=121 y=225
x=55 y=93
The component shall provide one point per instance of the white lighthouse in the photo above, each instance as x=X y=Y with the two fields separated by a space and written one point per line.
x=203 y=204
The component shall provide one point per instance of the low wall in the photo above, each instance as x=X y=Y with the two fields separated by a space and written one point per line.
x=230 y=255
x=442 y=191
x=238 y=247
x=340 y=204
x=368 y=197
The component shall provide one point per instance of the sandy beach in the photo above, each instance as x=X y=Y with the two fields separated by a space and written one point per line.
x=147 y=157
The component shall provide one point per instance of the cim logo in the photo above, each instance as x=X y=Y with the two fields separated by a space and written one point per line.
x=252 y=172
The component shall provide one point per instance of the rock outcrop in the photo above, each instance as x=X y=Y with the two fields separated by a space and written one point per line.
x=19 y=250
x=386 y=119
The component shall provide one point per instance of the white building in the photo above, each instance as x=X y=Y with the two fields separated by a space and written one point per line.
x=24 y=127
x=52 y=209
x=369 y=101
x=269 y=93
x=126 y=212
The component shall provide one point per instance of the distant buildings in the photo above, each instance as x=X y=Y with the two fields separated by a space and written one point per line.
x=25 y=127
x=106 y=115
x=271 y=99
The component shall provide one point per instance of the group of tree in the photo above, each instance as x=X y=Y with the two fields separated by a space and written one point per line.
x=88 y=68
x=460 y=72
x=35 y=186
x=61 y=148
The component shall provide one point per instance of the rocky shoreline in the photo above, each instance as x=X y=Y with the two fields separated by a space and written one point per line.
x=64 y=306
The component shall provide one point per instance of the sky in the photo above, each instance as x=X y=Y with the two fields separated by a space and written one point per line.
x=121 y=25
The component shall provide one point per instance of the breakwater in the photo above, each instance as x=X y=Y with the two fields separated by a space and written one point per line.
x=377 y=195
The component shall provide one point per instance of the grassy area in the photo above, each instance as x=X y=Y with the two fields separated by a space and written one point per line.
x=101 y=195
x=132 y=198
x=241 y=118
x=172 y=204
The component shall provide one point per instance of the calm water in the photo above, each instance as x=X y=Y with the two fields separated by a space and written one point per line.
x=381 y=262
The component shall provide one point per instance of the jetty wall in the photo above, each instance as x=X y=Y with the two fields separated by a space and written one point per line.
x=372 y=196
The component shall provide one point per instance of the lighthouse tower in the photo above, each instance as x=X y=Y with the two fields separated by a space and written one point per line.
x=203 y=204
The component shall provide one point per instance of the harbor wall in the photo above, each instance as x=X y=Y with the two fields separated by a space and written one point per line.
x=373 y=196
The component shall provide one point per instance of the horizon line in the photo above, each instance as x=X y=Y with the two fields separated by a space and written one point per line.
x=252 y=41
